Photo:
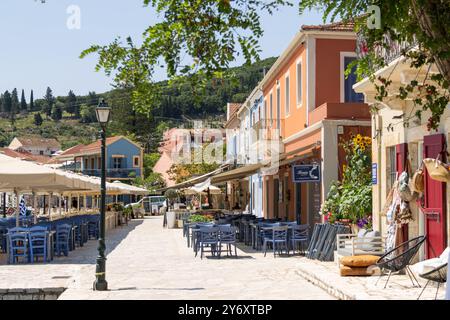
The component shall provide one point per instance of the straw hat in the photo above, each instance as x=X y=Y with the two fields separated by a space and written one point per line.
x=437 y=169
x=417 y=181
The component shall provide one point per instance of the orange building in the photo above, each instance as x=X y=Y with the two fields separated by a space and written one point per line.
x=308 y=98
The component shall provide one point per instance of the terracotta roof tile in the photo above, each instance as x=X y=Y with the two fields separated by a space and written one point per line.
x=336 y=26
x=29 y=141
x=25 y=155
x=95 y=146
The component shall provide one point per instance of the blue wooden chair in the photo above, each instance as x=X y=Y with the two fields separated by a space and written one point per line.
x=299 y=235
x=94 y=227
x=18 y=246
x=227 y=236
x=279 y=239
x=38 y=244
x=262 y=233
x=63 y=239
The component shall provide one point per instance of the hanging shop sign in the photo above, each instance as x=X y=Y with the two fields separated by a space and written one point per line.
x=306 y=173
x=374 y=173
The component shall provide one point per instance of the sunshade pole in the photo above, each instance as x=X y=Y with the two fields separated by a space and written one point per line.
x=35 y=210
x=50 y=205
x=16 y=192
x=59 y=205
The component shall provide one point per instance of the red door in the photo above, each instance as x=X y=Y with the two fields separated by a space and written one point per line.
x=401 y=154
x=435 y=209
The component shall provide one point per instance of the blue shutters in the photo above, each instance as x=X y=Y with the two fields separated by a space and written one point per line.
x=349 y=94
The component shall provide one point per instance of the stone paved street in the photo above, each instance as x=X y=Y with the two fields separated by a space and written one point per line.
x=146 y=261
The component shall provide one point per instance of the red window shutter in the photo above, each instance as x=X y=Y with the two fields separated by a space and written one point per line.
x=401 y=152
x=435 y=199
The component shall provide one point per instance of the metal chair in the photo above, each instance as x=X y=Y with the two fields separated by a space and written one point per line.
x=299 y=235
x=399 y=258
x=227 y=236
x=207 y=236
x=38 y=244
x=279 y=237
x=438 y=275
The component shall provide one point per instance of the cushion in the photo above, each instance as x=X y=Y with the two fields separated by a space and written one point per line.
x=426 y=265
x=354 y=271
x=364 y=260
x=444 y=255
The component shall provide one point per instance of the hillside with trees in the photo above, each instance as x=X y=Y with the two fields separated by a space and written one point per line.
x=71 y=119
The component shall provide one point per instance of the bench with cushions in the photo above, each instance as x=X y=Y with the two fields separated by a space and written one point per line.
x=363 y=243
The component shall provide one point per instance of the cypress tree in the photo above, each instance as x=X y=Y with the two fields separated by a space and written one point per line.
x=70 y=103
x=23 y=103
x=7 y=103
x=49 y=101
x=31 y=101
x=38 y=119
x=15 y=106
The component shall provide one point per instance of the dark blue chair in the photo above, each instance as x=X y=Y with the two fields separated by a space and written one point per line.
x=62 y=244
x=262 y=233
x=18 y=246
x=207 y=237
x=38 y=244
x=94 y=227
x=299 y=235
x=227 y=236
x=278 y=239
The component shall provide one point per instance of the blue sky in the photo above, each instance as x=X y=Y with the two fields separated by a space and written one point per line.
x=38 y=50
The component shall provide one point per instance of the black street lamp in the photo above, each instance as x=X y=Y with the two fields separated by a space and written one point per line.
x=103 y=115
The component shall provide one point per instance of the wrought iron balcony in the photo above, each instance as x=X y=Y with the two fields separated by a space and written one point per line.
x=120 y=173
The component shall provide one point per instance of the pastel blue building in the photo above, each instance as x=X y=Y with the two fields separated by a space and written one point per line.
x=124 y=159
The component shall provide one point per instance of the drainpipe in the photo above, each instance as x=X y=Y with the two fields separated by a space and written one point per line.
x=378 y=130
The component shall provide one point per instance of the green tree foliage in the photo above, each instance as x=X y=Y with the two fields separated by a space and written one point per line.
x=87 y=114
x=38 y=119
x=57 y=111
x=15 y=105
x=7 y=102
x=31 y=108
x=210 y=32
x=92 y=98
x=70 y=105
x=23 y=102
x=49 y=102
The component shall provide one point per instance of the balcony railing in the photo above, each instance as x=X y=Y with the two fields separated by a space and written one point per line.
x=268 y=129
x=112 y=172
x=388 y=51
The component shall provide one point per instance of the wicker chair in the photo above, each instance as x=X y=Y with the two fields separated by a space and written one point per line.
x=399 y=258
x=439 y=275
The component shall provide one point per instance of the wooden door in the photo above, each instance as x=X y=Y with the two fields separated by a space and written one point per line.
x=435 y=199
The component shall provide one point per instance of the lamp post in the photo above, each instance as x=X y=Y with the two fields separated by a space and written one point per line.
x=103 y=115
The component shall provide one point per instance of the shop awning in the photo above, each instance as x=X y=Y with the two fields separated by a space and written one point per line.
x=193 y=181
x=237 y=173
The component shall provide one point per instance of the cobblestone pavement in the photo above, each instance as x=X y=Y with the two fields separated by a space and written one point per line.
x=326 y=276
x=146 y=261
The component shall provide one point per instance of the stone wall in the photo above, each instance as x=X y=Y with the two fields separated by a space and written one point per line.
x=31 y=294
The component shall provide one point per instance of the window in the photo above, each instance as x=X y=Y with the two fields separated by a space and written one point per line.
x=287 y=95
x=86 y=162
x=41 y=153
x=278 y=106
x=117 y=163
x=271 y=106
x=99 y=163
x=349 y=94
x=299 y=84
x=392 y=167
x=136 y=161
x=92 y=163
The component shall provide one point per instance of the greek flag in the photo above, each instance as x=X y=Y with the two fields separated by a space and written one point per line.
x=23 y=207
